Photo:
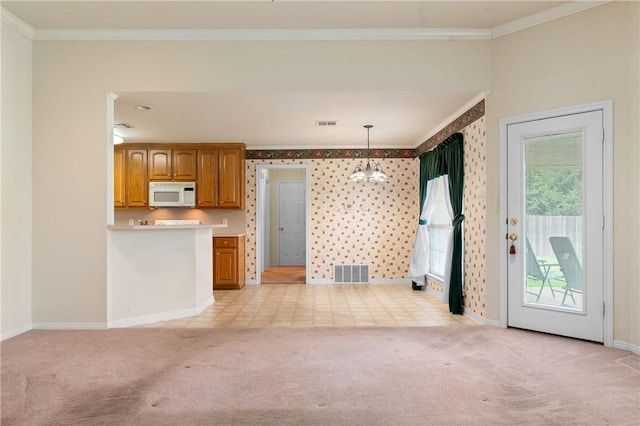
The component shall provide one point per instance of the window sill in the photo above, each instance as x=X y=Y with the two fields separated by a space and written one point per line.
x=435 y=278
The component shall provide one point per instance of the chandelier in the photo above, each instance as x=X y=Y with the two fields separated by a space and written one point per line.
x=372 y=172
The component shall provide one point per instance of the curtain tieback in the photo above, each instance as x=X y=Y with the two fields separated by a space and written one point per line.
x=422 y=222
x=457 y=220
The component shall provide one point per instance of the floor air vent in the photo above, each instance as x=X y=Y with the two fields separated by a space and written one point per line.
x=350 y=274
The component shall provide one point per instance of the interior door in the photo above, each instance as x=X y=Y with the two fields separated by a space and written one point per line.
x=555 y=225
x=291 y=223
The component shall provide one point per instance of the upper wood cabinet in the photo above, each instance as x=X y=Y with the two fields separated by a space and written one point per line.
x=137 y=184
x=217 y=169
x=221 y=177
x=119 y=177
x=231 y=175
x=172 y=164
x=130 y=184
x=207 y=184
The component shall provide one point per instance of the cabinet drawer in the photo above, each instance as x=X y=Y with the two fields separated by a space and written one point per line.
x=219 y=242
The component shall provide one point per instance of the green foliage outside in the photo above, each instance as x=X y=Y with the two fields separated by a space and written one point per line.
x=554 y=192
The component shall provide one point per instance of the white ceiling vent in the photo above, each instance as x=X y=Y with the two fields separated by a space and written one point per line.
x=122 y=126
x=326 y=123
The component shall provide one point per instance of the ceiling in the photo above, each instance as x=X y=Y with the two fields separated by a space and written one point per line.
x=279 y=120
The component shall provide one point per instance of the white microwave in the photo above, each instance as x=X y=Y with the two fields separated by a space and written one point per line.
x=172 y=194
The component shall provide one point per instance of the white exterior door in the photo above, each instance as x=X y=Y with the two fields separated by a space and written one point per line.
x=555 y=220
x=291 y=224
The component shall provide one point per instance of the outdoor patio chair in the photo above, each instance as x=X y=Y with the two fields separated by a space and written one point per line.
x=539 y=270
x=569 y=265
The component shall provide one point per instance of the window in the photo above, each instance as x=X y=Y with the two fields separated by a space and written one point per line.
x=439 y=225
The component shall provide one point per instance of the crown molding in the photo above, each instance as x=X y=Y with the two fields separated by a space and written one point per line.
x=16 y=23
x=544 y=17
x=298 y=34
x=268 y=35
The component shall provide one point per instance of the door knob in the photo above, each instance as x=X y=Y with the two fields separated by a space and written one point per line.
x=282 y=229
x=513 y=237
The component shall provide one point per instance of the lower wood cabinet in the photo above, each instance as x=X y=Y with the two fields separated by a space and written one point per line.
x=228 y=263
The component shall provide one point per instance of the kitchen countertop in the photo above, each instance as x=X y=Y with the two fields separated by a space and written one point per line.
x=156 y=227
x=168 y=227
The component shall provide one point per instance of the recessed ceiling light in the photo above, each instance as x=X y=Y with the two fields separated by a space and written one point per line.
x=143 y=108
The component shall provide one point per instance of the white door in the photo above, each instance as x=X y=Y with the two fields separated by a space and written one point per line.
x=555 y=225
x=291 y=224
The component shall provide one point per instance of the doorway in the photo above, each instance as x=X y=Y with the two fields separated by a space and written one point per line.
x=282 y=225
x=557 y=272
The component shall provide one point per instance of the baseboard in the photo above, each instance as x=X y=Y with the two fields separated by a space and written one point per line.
x=204 y=305
x=321 y=281
x=493 y=323
x=625 y=346
x=15 y=332
x=392 y=281
x=70 y=326
x=388 y=281
x=436 y=294
x=162 y=316
x=474 y=317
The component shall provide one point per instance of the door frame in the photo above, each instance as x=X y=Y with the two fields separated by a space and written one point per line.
x=260 y=225
x=606 y=107
x=278 y=192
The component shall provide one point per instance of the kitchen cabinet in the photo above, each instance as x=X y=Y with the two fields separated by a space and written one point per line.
x=217 y=169
x=228 y=263
x=221 y=177
x=137 y=185
x=207 y=184
x=119 y=177
x=231 y=178
x=172 y=164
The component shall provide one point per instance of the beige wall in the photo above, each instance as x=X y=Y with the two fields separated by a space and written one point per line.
x=587 y=57
x=71 y=82
x=581 y=58
x=15 y=177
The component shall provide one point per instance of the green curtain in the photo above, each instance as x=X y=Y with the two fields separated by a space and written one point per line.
x=447 y=159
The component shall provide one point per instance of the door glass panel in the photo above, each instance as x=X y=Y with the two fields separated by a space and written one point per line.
x=553 y=222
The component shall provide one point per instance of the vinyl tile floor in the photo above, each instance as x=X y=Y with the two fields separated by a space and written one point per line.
x=299 y=305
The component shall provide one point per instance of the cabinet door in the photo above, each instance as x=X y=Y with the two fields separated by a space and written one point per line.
x=184 y=164
x=119 y=177
x=137 y=193
x=207 y=186
x=225 y=266
x=160 y=164
x=231 y=178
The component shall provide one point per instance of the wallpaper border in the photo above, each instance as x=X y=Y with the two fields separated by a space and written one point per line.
x=472 y=114
x=320 y=154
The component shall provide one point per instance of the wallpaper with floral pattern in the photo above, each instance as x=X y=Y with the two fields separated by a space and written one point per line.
x=375 y=223
x=371 y=223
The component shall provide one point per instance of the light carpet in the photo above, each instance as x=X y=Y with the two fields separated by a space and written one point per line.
x=315 y=376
